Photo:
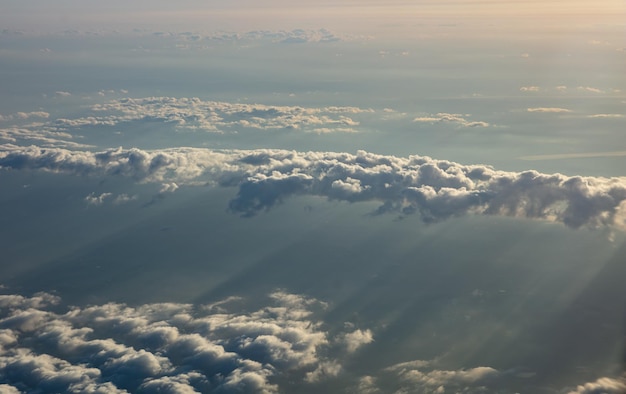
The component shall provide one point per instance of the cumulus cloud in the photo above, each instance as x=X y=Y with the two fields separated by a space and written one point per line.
x=189 y=114
x=457 y=119
x=354 y=340
x=38 y=133
x=196 y=114
x=94 y=199
x=602 y=385
x=434 y=189
x=425 y=377
x=175 y=348
x=24 y=116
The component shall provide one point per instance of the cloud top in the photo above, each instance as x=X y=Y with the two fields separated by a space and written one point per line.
x=169 y=347
x=434 y=189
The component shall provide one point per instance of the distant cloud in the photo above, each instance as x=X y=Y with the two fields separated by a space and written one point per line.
x=422 y=376
x=97 y=200
x=93 y=199
x=589 y=89
x=529 y=88
x=40 y=134
x=356 y=339
x=606 y=116
x=168 y=347
x=581 y=155
x=457 y=119
x=24 y=116
x=548 y=110
x=602 y=385
x=213 y=116
x=296 y=36
x=62 y=94
x=435 y=189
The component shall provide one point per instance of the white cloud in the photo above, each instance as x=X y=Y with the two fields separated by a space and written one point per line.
x=169 y=347
x=124 y=198
x=168 y=187
x=529 y=88
x=39 y=134
x=435 y=189
x=61 y=93
x=24 y=116
x=424 y=377
x=590 y=89
x=213 y=116
x=607 y=116
x=602 y=385
x=548 y=110
x=93 y=199
x=457 y=119
x=354 y=340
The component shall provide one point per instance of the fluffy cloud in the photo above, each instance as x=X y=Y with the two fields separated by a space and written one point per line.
x=457 y=119
x=169 y=347
x=24 y=116
x=214 y=116
x=421 y=376
x=190 y=114
x=435 y=189
x=602 y=385
x=38 y=133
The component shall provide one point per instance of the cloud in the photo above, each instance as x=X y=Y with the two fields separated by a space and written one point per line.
x=24 y=116
x=354 y=340
x=96 y=200
x=589 y=89
x=529 y=88
x=169 y=347
x=92 y=199
x=295 y=36
x=214 y=116
x=451 y=118
x=61 y=93
x=548 y=110
x=39 y=134
x=424 y=376
x=602 y=385
x=434 y=189
x=606 y=116
x=583 y=155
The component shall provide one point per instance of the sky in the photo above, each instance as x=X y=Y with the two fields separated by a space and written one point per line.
x=305 y=197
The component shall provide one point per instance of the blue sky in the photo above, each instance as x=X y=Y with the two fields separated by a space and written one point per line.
x=342 y=197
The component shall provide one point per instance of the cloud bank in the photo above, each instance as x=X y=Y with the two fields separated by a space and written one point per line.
x=172 y=348
x=215 y=116
x=457 y=119
x=434 y=189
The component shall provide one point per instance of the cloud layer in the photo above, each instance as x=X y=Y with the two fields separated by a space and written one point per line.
x=171 y=348
x=435 y=189
x=215 y=116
